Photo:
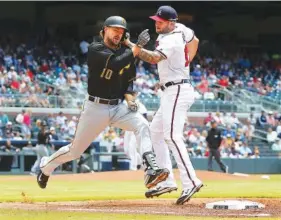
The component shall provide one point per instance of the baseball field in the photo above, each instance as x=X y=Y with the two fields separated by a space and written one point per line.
x=120 y=195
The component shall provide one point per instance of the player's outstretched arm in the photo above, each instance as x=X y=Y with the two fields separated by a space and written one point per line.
x=152 y=57
x=192 y=48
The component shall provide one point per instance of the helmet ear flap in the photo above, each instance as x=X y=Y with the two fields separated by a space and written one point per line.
x=123 y=36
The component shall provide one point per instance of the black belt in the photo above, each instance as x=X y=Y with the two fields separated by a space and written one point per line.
x=104 y=101
x=171 y=83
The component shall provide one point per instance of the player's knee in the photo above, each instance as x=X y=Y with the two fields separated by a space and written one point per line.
x=171 y=139
x=143 y=127
x=73 y=153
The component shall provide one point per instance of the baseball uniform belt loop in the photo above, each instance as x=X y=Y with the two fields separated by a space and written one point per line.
x=104 y=101
x=171 y=83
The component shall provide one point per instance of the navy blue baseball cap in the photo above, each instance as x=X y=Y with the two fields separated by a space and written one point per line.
x=165 y=13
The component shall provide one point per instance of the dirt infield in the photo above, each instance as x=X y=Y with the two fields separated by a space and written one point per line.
x=195 y=207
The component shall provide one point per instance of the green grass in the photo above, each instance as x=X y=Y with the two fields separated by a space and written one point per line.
x=13 y=191
x=46 y=215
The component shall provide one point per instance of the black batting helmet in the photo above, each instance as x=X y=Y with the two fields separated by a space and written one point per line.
x=116 y=21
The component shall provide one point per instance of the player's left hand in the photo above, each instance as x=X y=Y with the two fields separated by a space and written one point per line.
x=143 y=38
x=133 y=106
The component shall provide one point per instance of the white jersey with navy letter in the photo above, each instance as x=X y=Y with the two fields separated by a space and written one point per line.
x=173 y=47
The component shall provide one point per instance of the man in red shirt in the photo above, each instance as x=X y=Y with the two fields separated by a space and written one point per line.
x=224 y=81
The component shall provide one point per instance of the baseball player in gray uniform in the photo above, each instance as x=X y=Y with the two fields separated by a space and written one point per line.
x=111 y=66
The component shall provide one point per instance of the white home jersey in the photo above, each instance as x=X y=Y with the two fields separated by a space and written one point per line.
x=173 y=46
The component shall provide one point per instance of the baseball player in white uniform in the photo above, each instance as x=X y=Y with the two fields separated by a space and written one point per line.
x=176 y=46
x=130 y=141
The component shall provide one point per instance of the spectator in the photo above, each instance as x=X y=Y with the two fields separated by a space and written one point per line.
x=208 y=119
x=276 y=116
x=53 y=135
x=262 y=120
x=229 y=132
x=84 y=47
x=197 y=74
x=3 y=119
x=218 y=119
x=270 y=119
x=278 y=129
x=8 y=147
x=252 y=119
x=26 y=126
x=224 y=81
x=17 y=136
x=271 y=136
x=235 y=121
x=60 y=120
x=72 y=126
x=248 y=130
x=277 y=145
x=61 y=81
x=8 y=130
x=228 y=141
x=234 y=153
x=63 y=135
x=245 y=151
x=19 y=118
x=51 y=121
x=256 y=153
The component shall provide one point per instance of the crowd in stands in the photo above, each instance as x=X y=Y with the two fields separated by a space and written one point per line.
x=25 y=66
x=257 y=73
x=237 y=134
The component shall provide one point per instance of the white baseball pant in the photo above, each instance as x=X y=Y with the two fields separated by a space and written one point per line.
x=130 y=148
x=167 y=133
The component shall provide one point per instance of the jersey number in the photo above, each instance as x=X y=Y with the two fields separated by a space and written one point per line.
x=106 y=73
x=186 y=56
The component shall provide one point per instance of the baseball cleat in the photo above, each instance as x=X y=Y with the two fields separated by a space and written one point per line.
x=42 y=180
x=188 y=193
x=153 y=177
x=158 y=191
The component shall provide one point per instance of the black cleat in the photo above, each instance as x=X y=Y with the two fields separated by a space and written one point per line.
x=158 y=191
x=42 y=180
x=153 y=177
x=187 y=194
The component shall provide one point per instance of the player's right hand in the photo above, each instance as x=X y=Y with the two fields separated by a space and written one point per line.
x=143 y=38
x=133 y=106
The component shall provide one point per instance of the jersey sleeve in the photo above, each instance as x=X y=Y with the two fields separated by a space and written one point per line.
x=189 y=34
x=165 y=47
x=130 y=89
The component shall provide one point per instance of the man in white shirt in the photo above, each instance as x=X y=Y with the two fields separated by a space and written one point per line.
x=61 y=80
x=60 y=120
x=176 y=47
x=271 y=135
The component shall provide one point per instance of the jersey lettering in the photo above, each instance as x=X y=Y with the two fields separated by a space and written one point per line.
x=122 y=70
